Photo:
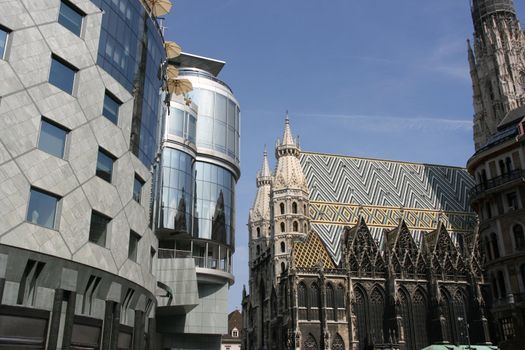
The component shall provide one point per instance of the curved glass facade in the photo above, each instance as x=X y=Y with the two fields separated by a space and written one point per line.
x=131 y=50
x=219 y=121
x=182 y=124
x=177 y=191
x=214 y=204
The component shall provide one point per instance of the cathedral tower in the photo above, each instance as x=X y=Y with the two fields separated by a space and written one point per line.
x=289 y=199
x=259 y=224
x=497 y=65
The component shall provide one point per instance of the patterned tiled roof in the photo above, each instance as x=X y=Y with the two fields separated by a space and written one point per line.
x=309 y=253
x=343 y=188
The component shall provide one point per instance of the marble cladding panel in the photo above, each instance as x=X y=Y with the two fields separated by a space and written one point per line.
x=26 y=96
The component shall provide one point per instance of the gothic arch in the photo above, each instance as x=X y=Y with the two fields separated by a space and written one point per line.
x=313 y=301
x=405 y=310
x=448 y=314
x=359 y=309
x=283 y=247
x=283 y=228
x=258 y=232
x=295 y=226
x=294 y=208
x=331 y=309
x=302 y=300
x=338 y=343
x=519 y=237
x=377 y=309
x=281 y=207
x=420 y=318
x=460 y=312
x=310 y=342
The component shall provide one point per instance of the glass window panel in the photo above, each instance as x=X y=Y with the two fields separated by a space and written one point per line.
x=176 y=122
x=104 y=165
x=231 y=114
x=42 y=208
x=70 y=18
x=205 y=102
x=110 y=110
x=98 y=228
x=220 y=108
x=219 y=136
x=137 y=188
x=231 y=141
x=3 y=42
x=204 y=131
x=61 y=75
x=52 y=139
x=192 y=128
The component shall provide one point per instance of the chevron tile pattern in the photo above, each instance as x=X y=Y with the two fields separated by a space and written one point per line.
x=344 y=188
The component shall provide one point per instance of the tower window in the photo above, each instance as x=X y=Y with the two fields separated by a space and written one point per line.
x=258 y=232
x=258 y=250
x=295 y=226
x=294 y=208
x=283 y=247
x=70 y=17
x=282 y=227
x=281 y=206
x=304 y=209
x=283 y=267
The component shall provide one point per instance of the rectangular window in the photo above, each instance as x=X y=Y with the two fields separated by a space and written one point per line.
x=137 y=188
x=512 y=200
x=134 y=239
x=105 y=165
x=98 y=228
x=42 y=208
x=70 y=17
x=111 y=106
x=3 y=42
x=52 y=138
x=62 y=75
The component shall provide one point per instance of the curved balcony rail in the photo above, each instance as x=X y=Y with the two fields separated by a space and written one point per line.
x=514 y=175
x=206 y=262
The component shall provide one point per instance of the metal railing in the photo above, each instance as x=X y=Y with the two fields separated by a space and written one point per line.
x=495 y=182
x=200 y=261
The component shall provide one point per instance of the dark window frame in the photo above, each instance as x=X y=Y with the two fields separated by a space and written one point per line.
x=7 y=32
x=113 y=159
x=102 y=216
x=133 y=254
x=74 y=8
x=58 y=126
x=57 y=206
x=137 y=196
x=112 y=97
x=66 y=64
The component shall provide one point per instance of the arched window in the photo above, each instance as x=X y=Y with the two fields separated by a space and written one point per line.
x=283 y=247
x=294 y=208
x=460 y=314
x=338 y=343
x=448 y=314
x=310 y=343
x=340 y=302
x=281 y=206
x=494 y=243
x=302 y=301
x=258 y=250
x=361 y=317
x=258 y=232
x=377 y=309
x=304 y=209
x=283 y=267
x=404 y=310
x=282 y=227
x=330 y=302
x=488 y=251
x=501 y=285
x=313 y=301
x=295 y=226
x=420 y=317
x=519 y=237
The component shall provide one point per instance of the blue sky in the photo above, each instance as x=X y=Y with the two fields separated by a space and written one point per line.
x=372 y=78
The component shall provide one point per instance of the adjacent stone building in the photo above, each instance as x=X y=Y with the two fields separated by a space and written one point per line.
x=357 y=253
x=498 y=75
x=79 y=108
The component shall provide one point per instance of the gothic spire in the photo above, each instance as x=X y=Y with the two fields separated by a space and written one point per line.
x=261 y=206
x=481 y=9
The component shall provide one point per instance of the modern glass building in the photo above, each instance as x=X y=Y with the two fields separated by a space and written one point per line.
x=195 y=213
x=79 y=110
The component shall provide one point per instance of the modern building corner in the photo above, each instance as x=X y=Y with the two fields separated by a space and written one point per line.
x=195 y=210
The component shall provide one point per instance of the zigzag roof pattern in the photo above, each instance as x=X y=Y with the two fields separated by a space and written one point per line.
x=343 y=188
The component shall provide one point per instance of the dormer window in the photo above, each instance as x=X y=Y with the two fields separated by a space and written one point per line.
x=235 y=333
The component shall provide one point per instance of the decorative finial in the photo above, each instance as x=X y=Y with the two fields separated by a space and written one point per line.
x=287 y=119
x=265 y=153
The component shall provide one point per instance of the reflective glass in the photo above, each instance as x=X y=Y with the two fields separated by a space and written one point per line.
x=52 y=139
x=219 y=136
x=70 y=18
x=205 y=131
x=176 y=122
x=137 y=188
x=61 y=75
x=42 y=208
x=3 y=42
x=110 y=110
x=220 y=108
x=104 y=165
x=192 y=128
x=98 y=228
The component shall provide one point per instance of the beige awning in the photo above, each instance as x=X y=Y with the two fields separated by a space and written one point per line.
x=172 y=72
x=172 y=49
x=179 y=86
x=159 y=7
